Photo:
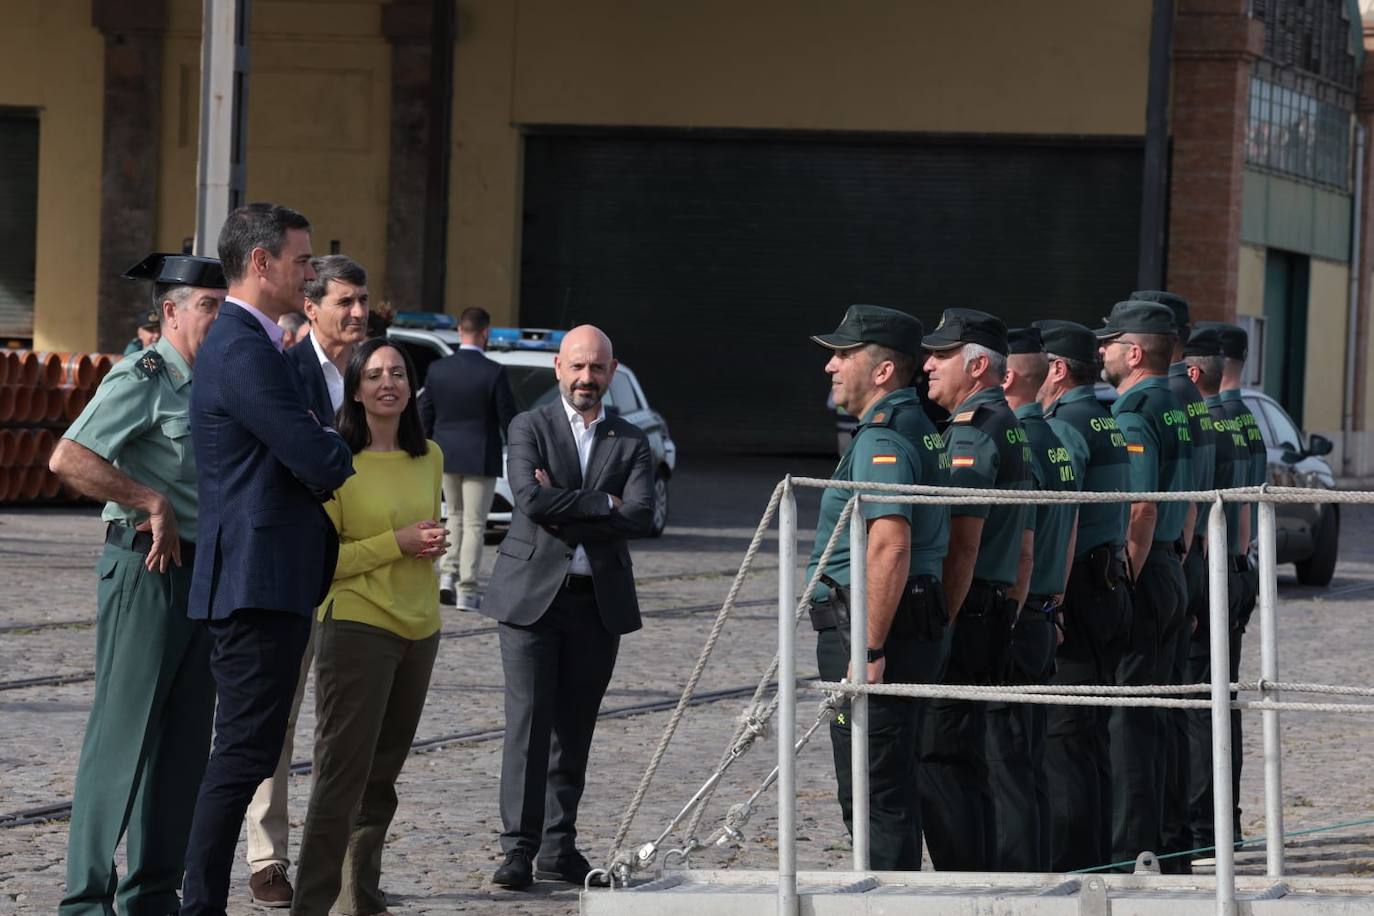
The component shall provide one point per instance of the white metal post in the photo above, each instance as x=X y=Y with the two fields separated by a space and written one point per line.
x=858 y=674
x=787 y=701
x=1269 y=672
x=220 y=171
x=1219 y=623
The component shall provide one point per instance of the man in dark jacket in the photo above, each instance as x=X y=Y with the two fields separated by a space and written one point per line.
x=466 y=406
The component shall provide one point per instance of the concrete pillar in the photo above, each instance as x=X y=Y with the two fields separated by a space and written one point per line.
x=130 y=140
x=409 y=25
x=1215 y=44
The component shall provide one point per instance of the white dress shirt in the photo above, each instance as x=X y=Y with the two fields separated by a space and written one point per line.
x=274 y=332
x=583 y=436
x=333 y=380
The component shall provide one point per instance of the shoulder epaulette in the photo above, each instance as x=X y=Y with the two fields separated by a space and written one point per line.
x=148 y=364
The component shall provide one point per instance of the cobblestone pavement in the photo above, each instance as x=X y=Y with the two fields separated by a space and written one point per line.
x=443 y=844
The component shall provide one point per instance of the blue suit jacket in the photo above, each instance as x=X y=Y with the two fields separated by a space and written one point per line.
x=264 y=467
x=465 y=407
x=307 y=364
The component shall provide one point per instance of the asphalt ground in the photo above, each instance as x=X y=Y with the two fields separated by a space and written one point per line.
x=443 y=844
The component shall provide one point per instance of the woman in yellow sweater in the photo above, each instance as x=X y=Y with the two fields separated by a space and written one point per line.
x=378 y=634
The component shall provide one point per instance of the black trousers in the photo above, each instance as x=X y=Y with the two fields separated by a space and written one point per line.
x=1175 y=832
x=1015 y=741
x=1200 y=808
x=893 y=734
x=956 y=808
x=1097 y=627
x=557 y=670
x=1139 y=745
x=255 y=658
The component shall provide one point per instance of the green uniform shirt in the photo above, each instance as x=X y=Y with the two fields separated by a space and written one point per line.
x=139 y=421
x=1101 y=463
x=1233 y=466
x=1257 y=470
x=989 y=449
x=1051 y=469
x=1200 y=428
x=894 y=443
x=1160 y=445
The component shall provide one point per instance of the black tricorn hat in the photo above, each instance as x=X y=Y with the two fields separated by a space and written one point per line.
x=179 y=270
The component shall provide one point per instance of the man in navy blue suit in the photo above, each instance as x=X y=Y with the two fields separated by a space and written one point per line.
x=466 y=406
x=336 y=303
x=265 y=465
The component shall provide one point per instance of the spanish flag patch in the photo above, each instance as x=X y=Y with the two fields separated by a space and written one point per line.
x=962 y=461
x=884 y=459
x=1135 y=448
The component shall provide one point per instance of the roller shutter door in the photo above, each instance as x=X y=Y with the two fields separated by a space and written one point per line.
x=18 y=222
x=709 y=261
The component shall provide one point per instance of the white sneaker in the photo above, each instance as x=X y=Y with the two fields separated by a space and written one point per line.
x=469 y=601
x=446 y=589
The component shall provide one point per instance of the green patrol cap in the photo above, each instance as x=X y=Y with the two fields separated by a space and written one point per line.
x=1025 y=340
x=1177 y=303
x=1068 y=339
x=151 y=319
x=1205 y=340
x=964 y=326
x=1137 y=317
x=1235 y=343
x=874 y=324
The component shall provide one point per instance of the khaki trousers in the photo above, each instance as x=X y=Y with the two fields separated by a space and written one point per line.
x=469 y=500
x=369 y=694
x=269 y=828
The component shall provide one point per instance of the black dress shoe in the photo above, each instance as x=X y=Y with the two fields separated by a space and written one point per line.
x=515 y=872
x=572 y=868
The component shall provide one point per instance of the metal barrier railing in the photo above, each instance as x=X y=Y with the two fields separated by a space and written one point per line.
x=1220 y=701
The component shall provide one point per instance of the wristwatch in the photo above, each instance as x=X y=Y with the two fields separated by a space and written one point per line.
x=875 y=654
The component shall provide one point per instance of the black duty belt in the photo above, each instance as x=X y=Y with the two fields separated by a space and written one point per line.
x=580 y=584
x=142 y=541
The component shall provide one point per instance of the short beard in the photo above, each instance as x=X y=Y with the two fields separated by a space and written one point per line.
x=592 y=397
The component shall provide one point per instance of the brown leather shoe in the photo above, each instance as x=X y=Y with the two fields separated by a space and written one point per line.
x=269 y=887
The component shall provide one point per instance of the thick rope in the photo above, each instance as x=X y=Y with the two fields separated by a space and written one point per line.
x=1014 y=694
x=692 y=680
x=919 y=494
x=760 y=720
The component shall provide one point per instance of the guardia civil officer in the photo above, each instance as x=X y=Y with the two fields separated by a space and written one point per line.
x=1206 y=367
x=148 y=735
x=1137 y=344
x=874 y=353
x=1235 y=349
x=1096 y=612
x=987 y=448
x=1174 y=830
x=1016 y=750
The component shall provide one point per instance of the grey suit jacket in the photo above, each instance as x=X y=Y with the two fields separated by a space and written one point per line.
x=549 y=522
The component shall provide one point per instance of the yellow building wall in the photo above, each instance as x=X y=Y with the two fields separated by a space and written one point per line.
x=1250 y=282
x=1327 y=310
x=1069 y=67
x=319 y=122
x=52 y=59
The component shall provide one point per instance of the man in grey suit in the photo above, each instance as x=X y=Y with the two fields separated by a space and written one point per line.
x=563 y=592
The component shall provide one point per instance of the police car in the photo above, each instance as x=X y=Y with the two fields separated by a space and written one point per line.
x=527 y=354
x=1307 y=534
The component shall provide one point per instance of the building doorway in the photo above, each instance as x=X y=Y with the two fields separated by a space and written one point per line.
x=1286 y=281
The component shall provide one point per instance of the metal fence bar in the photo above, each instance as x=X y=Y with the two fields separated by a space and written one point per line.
x=1220 y=625
x=858 y=674
x=1269 y=672
x=787 y=701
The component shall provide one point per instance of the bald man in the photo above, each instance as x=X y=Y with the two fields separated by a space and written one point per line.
x=563 y=592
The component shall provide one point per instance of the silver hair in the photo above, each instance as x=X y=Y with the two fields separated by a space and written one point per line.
x=997 y=362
